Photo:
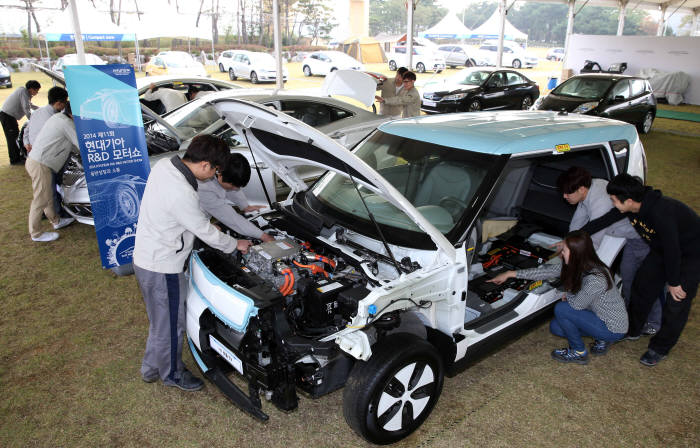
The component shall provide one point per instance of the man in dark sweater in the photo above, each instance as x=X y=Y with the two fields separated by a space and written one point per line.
x=672 y=230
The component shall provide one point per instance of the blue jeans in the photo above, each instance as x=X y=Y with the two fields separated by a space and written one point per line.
x=574 y=324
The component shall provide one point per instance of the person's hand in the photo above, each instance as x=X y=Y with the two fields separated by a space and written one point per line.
x=253 y=208
x=267 y=238
x=243 y=246
x=379 y=98
x=676 y=292
x=28 y=147
x=502 y=277
x=559 y=245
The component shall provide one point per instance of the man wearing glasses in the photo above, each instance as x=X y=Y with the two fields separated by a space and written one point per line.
x=408 y=97
x=169 y=220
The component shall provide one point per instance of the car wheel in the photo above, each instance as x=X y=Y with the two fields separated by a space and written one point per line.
x=517 y=63
x=221 y=68
x=526 y=103
x=307 y=70
x=645 y=125
x=333 y=69
x=232 y=75
x=420 y=68
x=470 y=63
x=392 y=66
x=253 y=77
x=474 y=106
x=388 y=397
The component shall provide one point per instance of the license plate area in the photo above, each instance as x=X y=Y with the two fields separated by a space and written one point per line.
x=227 y=354
x=429 y=103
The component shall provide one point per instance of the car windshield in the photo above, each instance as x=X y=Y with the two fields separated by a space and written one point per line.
x=469 y=77
x=263 y=59
x=179 y=61
x=585 y=88
x=189 y=120
x=439 y=181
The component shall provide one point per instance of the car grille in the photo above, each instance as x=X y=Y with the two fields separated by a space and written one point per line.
x=431 y=96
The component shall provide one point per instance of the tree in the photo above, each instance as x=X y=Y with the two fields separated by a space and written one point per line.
x=389 y=16
x=318 y=17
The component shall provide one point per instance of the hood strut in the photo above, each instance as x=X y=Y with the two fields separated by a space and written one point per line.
x=257 y=169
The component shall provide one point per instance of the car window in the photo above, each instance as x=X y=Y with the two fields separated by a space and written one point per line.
x=314 y=114
x=638 y=87
x=621 y=89
x=194 y=120
x=229 y=136
x=469 y=77
x=496 y=80
x=459 y=50
x=400 y=50
x=583 y=87
x=514 y=79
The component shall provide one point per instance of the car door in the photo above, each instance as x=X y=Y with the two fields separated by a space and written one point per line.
x=640 y=100
x=617 y=102
x=495 y=89
x=517 y=89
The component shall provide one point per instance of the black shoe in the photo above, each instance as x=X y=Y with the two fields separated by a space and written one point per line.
x=152 y=378
x=186 y=382
x=651 y=358
x=18 y=162
x=600 y=347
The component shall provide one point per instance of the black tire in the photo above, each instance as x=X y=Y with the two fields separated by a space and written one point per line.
x=221 y=68
x=644 y=126
x=470 y=63
x=526 y=103
x=373 y=402
x=333 y=69
x=517 y=63
x=307 y=70
x=420 y=67
x=232 y=75
x=392 y=66
x=253 y=77
x=474 y=105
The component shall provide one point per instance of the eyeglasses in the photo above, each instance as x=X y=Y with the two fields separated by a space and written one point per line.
x=408 y=80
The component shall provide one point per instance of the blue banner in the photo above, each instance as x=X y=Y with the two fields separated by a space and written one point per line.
x=107 y=115
x=69 y=37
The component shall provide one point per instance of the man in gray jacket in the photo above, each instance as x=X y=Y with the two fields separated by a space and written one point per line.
x=217 y=197
x=390 y=89
x=16 y=106
x=169 y=220
x=49 y=153
x=408 y=99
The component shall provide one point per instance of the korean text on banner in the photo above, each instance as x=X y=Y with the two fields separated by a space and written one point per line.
x=108 y=120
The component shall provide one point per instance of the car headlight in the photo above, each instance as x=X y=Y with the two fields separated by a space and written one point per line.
x=537 y=104
x=585 y=107
x=456 y=96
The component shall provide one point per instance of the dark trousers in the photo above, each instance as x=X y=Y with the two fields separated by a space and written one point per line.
x=9 y=126
x=650 y=279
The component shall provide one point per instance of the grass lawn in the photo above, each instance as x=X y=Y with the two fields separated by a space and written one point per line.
x=72 y=337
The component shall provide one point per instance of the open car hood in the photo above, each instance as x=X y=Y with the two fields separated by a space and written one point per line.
x=351 y=83
x=286 y=144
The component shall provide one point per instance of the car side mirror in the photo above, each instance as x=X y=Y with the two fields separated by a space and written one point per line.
x=618 y=99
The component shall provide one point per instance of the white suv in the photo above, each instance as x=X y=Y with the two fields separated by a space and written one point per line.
x=226 y=60
x=376 y=280
x=513 y=55
x=424 y=58
x=256 y=66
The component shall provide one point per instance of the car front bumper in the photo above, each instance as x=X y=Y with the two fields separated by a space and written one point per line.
x=5 y=81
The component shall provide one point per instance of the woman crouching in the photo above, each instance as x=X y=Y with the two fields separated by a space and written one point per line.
x=591 y=305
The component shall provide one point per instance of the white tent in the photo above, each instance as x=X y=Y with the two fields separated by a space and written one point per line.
x=492 y=28
x=450 y=27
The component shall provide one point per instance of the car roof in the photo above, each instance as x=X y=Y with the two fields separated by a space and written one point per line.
x=510 y=132
x=611 y=76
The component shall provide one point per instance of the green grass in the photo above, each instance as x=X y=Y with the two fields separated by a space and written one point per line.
x=72 y=337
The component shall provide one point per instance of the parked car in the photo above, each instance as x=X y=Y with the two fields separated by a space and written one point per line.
x=555 y=54
x=174 y=63
x=256 y=66
x=72 y=59
x=473 y=89
x=172 y=133
x=5 y=77
x=625 y=98
x=324 y=62
x=513 y=55
x=373 y=282
x=225 y=60
x=424 y=58
x=456 y=55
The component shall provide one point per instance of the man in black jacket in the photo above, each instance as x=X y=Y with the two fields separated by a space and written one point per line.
x=672 y=230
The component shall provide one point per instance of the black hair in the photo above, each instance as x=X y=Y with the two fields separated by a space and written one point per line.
x=192 y=89
x=32 y=84
x=401 y=70
x=207 y=148
x=572 y=179
x=236 y=171
x=625 y=186
x=582 y=261
x=67 y=110
x=409 y=75
x=57 y=93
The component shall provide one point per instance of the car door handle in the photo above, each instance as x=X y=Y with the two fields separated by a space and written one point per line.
x=337 y=134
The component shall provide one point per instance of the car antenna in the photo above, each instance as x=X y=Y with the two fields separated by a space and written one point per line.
x=374 y=221
x=257 y=169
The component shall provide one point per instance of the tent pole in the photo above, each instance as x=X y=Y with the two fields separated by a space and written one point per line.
x=138 y=56
x=569 y=31
x=409 y=34
x=621 y=16
x=48 y=55
x=501 y=32
x=279 y=81
x=80 y=49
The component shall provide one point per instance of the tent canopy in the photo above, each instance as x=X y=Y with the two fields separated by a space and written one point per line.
x=491 y=29
x=94 y=26
x=450 y=27
x=364 y=49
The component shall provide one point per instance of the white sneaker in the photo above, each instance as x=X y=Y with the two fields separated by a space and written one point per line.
x=63 y=222
x=46 y=237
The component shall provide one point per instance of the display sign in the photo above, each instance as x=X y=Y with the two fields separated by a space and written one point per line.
x=107 y=115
